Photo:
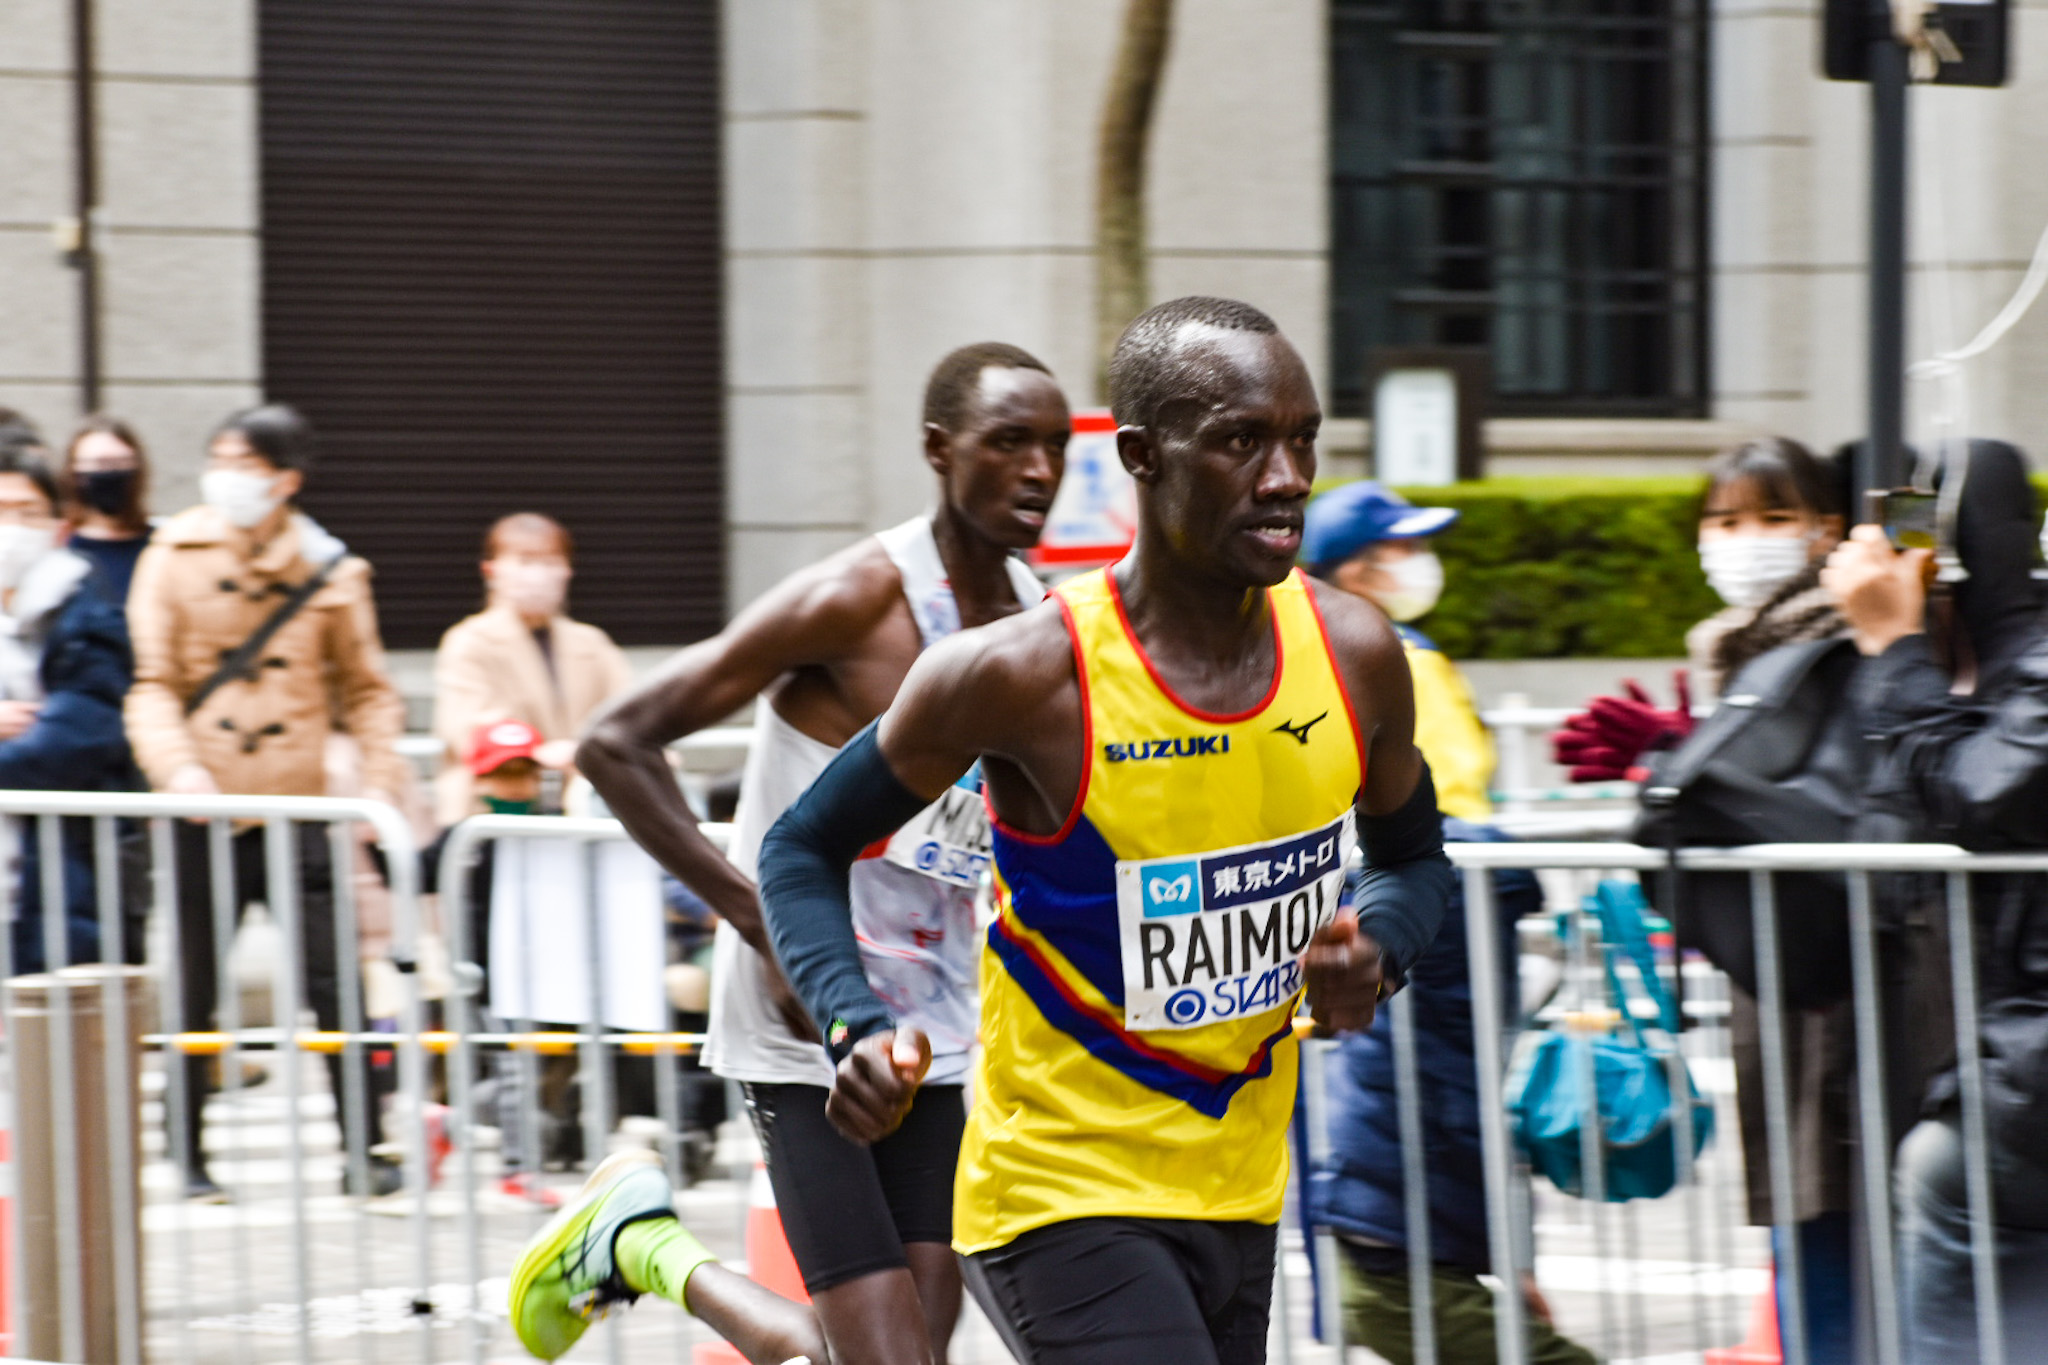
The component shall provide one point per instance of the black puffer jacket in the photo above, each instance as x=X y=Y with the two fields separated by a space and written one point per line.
x=1971 y=770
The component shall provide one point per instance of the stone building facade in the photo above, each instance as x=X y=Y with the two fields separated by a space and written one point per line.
x=901 y=176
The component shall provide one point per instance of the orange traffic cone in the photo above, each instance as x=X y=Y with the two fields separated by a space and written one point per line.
x=1761 y=1346
x=770 y=1262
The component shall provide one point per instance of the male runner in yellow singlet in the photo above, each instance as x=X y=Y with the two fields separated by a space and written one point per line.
x=1178 y=753
x=825 y=651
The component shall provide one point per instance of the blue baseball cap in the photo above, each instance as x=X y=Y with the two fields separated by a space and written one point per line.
x=1346 y=519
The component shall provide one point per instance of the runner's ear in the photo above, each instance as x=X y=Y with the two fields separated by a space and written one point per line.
x=938 y=448
x=1139 y=452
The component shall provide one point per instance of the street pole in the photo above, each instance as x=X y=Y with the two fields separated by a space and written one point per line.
x=1883 y=463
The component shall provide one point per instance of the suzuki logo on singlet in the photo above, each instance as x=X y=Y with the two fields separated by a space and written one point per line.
x=1193 y=746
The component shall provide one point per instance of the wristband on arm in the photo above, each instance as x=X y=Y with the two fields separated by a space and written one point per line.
x=805 y=863
x=1407 y=881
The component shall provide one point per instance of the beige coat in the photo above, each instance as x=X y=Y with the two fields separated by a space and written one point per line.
x=201 y=589
x=490 y=668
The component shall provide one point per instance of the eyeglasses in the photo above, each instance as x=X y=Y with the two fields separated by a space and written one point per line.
x=25 y=512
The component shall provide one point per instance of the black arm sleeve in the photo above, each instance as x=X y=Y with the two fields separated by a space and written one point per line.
x=1407 y=881
x=804 y=867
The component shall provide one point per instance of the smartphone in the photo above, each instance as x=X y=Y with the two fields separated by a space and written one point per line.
x=1907 y=516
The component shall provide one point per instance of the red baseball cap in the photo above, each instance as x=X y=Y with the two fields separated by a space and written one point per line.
x=498 y=742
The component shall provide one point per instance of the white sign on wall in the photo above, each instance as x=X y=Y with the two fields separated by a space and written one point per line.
x=1415 y=427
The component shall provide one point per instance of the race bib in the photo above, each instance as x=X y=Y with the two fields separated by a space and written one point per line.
x=947 y=840
x=1220 y=935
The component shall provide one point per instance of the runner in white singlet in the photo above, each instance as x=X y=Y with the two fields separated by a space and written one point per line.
x=824 y=652
x=913 y=904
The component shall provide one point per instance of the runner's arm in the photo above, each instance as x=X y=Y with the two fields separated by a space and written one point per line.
x=1407 y=879
x=813 y=617
x=861 y=798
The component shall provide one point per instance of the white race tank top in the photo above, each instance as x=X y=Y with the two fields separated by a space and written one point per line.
x=913 y=904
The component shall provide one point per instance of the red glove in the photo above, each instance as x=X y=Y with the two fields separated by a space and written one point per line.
x=1604 y=742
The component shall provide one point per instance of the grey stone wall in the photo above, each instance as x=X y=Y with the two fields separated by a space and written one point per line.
x=905 y=176
x=1790 y=235
x=178 y=230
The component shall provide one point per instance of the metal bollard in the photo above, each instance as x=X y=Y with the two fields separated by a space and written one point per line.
x=94 y=1320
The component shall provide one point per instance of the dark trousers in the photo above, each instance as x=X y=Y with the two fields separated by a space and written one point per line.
x=199 y=962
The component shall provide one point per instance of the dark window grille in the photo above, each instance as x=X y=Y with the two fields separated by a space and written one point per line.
x=1527 y=176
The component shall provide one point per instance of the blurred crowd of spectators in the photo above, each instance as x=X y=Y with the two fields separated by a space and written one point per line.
x=224 y=648
x=233 y=647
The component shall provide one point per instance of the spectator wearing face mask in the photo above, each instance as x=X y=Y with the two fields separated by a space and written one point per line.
x=64 y=667
x=1373 y=543
x=1770 y=516
x=219 y=706
x=520 y=658
x=105 y=487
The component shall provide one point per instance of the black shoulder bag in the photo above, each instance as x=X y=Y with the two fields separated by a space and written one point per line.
x=1781 y=760
x=242 y=662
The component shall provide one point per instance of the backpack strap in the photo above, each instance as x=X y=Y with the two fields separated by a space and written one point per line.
x=240 y=663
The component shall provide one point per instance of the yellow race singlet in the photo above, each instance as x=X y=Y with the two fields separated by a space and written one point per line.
x=1144 y=964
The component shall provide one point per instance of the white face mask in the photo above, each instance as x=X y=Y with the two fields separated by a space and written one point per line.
x=243 y=498
x=1418 y=583
x=1746 y=570
x=529 y=587
x=21 y=546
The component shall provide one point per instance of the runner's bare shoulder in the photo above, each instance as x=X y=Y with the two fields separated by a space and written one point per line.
x=993 y=685
x=828 y=608
x=1362 y=640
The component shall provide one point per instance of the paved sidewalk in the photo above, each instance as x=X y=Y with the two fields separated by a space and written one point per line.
x=220 y=1280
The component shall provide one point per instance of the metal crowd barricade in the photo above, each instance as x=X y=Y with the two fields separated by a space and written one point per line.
x=1511 y=1250
x=42 y=815
x=465 y=845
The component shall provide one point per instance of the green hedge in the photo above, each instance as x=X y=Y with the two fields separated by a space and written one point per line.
x=1571 y=567
x=1568 y=567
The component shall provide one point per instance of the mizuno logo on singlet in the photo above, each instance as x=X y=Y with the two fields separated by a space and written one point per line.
x=1194 y=746
x=1299 y=732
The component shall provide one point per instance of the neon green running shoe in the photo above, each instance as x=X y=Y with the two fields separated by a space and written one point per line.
x=566 y=1278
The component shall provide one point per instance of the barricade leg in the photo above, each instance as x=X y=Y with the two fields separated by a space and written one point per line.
x=122 y=1098
x=66 y=1179
x=1962 y=940
x=1489 y=1038
x=1414 y=1183
x=1874 y=1129
x=282 y=865
x=1770 y=1010
x=1329 y=1299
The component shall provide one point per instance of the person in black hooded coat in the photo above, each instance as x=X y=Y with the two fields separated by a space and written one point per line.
x=1964 y=760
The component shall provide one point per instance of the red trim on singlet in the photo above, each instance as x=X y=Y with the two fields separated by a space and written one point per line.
x=1087 y=749
x=1116 y=598
x=1337 y=672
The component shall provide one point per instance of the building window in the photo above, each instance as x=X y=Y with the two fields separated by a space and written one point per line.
x=1526 y=176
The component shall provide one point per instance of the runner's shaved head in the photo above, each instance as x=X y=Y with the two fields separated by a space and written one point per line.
x=1153 y=364
x=956 y=378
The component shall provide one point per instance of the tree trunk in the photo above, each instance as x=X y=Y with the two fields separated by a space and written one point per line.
x=1122 y=289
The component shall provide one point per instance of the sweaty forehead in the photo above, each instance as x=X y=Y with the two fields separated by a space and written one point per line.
x=1009 y=393
x=1222 y=372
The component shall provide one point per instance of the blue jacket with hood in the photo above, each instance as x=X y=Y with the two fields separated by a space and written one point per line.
x=1357 y=1192
x=77 y=742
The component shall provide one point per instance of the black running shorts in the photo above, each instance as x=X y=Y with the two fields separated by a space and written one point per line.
x=848 y=1210
x=1124 y=1291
